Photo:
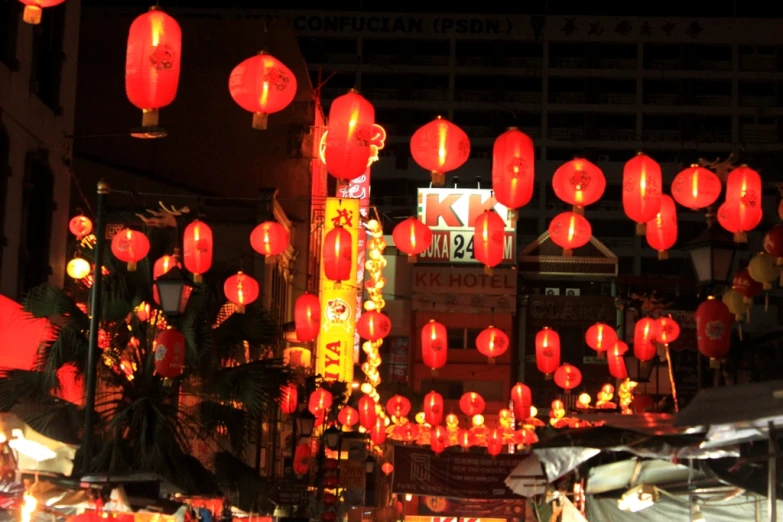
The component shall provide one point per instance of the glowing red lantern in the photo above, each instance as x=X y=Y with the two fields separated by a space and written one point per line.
x=489 y=239
x=579 y=183
x=466 y=438
x=440 y=147
x=642 y=185
x=320 y=401
x=338 y=254
x=492 y=342
x=241 y=289
x=130 y=246
x=152 y=63
x=409 y=432
x=668 y=330
x=738 y=218
x=387 y=468
x=713 y=329
x=302 y=459
x=617 y=368
x=696 y=187
x=80 y=226
x=744 y=183
x=472 y=403
x=434 y=345
x=438 y=439
x=433 y=408
x=619 y=348
x=161 y=266
x=270 y=238
x=513 y=168
x=600 y=337
x=289 y=398
x=373 y=325
x=197 y=245
x=367 y=412
x=307 y=317
x=262 y=85
x=378 y=432
x=169 y=353
x=746 y=286
x=568 y=377
x=547 y=351
x=33 y=9
x=570 y=230
x=347 y=151
x=645 y=335
x=398 y=406
x=348 y=417
x=495 y=442
x=661 y=231
x=412 y=237
x=523 y=400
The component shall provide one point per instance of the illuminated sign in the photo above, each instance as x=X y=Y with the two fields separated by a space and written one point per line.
x=451 y=214
x=334 y=357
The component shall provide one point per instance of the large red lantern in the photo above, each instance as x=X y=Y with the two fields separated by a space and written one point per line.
x=713 y=329
x=570 y=230
x=289 y=398
x=320 y=401
x=668 y=330
x=152 y=63
x=348 y=417
x=130 y=246
x=568 y=377
x=378 y=431
x=373 y=325
x=600 y=337
x=409 y=432
x=347 y=151
x=433 y=408
x=617 y=368
x=744 y=183
x=262 y=85
x=412 y=237
x=307 y=317
x=579 y=183
x=619 y=348
x=738 y=218
x=161 y=266
x=241 y=289
x=522 y=398
x=642 y=186
x=302 y=459
x=269 y=238
x=472 y=403
x=33 y=9
x=80 y=226
x=434 y=345
x=170 y=353
x=492 y=342
x=398 y=406
x=338 y=254
x=197 y=245
x=440 y=147
x=645 y=335
x=489 y=239
x=367 y=412
x=661 y=231
x=547 y=351
x=696 y=187
x=513 y=169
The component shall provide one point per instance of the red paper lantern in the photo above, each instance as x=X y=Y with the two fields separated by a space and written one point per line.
x=570 y=230
x=568 y=377
x=713 y=329
x=289 y=398
x=746 y=286
x=440 y=147
x=270 y=238
x=492 y=342
x=773 y=242
x=387 y=468
x=513 y=168
x=433 y=408
x=619 y=348
x=434 y=345
x=412 y=237
x=33 y=9
x=547 y=351
x=307 y=317
x=438 y=439
x=262 y=85
x=378 y=432
x=495 y=442
x=409 y=432
x=489 y=237
x=320 y=401
x=329 y=499
x=600 y=337
x=80 y=226
x=617 y=368
x=338 y=254
x=642 y=186
x=367 y=412
x=302 y=459
x=644 y=337
x=347 y=151
x=169 y=353
x=373 y=325
x=522 y=399
x=348 y=416
x=398 y=406
x=744 y=183
x=130 y=246
x=579 y=183
x=472 y=403
x=241 y=289
x=197 y=245
x=466 y=439
x=161 y=266
x=738 y=218
x=668 y=330
x=152 y=63
x=696 y=187
x=661 y=231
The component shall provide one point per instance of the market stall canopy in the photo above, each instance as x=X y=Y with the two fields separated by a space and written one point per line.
x=632 y=472
x=36 y=452
x=678 y=508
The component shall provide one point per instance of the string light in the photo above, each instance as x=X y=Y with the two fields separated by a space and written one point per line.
x=374 y=285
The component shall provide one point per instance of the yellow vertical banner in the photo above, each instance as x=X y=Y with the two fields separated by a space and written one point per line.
x=334 y=356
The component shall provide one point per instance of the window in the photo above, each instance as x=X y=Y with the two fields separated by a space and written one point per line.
x=48 y=57
x=9 y=24
x=37 y=208
x=395 y=352
x=463 y=338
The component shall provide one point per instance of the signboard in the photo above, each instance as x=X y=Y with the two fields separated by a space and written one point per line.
x=292 y=497
x=474 y=509
x=334 y=357
x=353 y=477
x=455 y=475
x=464 y=289
x=451 y=214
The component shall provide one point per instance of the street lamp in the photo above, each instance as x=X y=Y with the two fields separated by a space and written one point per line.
x=305 y=423
x=369 y=464
x=712 y=254
x=174 y=290
x=333 y=436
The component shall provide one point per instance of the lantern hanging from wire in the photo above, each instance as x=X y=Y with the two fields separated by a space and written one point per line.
x=169 y=354
x=522 y=398
x=347 y=150
x=471 y=403
x=338 y=254
x=373 y=325
x=579 y=183
x=489 y=237
x=547 y=351
x=513 y=170
x=241 y=289
x=569 y=231
x=33 y=9
x=348 y=417
x=568 y=377
x=713 y=330
x=667 y=330
x=398 y=406
x=746 y=286
x=80 y=226
x=367 y=412
x=130 y=246
x=412 y=237
x=661 y=231
x=269 y=238
x=466 y=439
x=495 y=442
x=644 y=337
x=744 y=184
x=492 y=342
x=78 y=268
x=434 y=345
x=439 y=438
x=263 y=85
x=619 y=348
x=600 y=337
x=433 y=408
x=307 y=317
x=387 y=468
x=378 y=432
x=738 y=218
x=642 y=186
x=303 y=456
x=197 y=245
x=617 y=368
x=320 y=401
x=696 y=187
x=289 y=398
x=440 y=147
x=763 y=268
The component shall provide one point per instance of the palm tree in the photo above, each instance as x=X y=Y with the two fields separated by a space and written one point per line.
x=146 y=423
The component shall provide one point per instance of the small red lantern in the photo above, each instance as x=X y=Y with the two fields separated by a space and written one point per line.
x=570 y=230
x=495 y=442
x=33 y=9
x=338 y=254
x=329 y=499
x=466 y=439
x=489 y=237
x=130 y=246
x=161 y=266
x=696 y=187
x=289 y=398
x=746 y=286
x=197 y=245
x=398 y=406
x=619 y=348
x=713 y=330
x=472 y=403
x=438 y=439
x=773 y=243
x=568 y=377
x=662 y=229
x=642 y=185
x=434 y=345
x=600 y=337
x=492 y=342
x=367 y=412
x=579 y=183
x=644 y=337
x=409 y=432
x=270 y=238
x=668 y=330
x=169 y=353
x=302 y=459
x=738 y=218
x=387 y=468
x=80 y=226
x=307 y=317
x=412 y=237
x=378 y=432
x=547 y=351
x=440 y=147
x=433 y=408
x=241 y=289
x=513 y=169
x=373 y=325
x=320 y=401
x=262 y=85
x=347 y=151
x=152 y=63
x=348 y=417
x=617 y=368
x=523 y=400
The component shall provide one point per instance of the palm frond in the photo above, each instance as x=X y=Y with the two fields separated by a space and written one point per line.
x=254 y=326
x=27 y=386
x=50 y=302
x=236 y=422
x=251 y=492
x=71 y=346
x=63 y=421
x=255 y=385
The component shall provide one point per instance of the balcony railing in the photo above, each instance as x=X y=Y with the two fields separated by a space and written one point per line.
x=617 y=134
x=428 y=95
x=713 y=65
x=615 y=98
x=473 y=96
x=527 y=62
x=472 y=61
x=618 y=64
x=381 y=94
x=477 y=131
x=713 y=136
x=567 y=97
x=567 y=63
x=714 y=100
x=758 y=134
x=660 y=135
x=663 y=64
x=341 y=58
x=757 y=101
x=429 y=59
x=565 y=134
x=757 y=62
x=662 y=99
x=522 y=97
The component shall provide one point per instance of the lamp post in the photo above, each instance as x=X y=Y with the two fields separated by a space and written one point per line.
x=305 y=422
x=174 y=289
x=712 y=255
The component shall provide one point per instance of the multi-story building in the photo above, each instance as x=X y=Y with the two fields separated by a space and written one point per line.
x=37 y=99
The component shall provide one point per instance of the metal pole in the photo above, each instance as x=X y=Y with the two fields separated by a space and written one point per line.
x=95 y=317
x=772 y=490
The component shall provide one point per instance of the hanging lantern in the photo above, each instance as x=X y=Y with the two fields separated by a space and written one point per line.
x=746 y=286
x=763 y=269
x=661 y=231
x=489 y=235
x=78 y=268
x=713 y=330
x=617 y=368
x=412 y=237
x=523 y=400
x=434 y=345
x=600 y=337
x=161 y=266
x=347 y=151
x=241 y=289
x=513 y=169
x=644 y=336
x=619 y=348
x=197 y=245
x=547 y=351
x=33 y=9
x=338 y=254
x=378 y=432
x=348 y=417
x=570 y=230
x=773 y=244
x=495 y=442
x=80 y=226
x=130 y=246
x=270 y=238
x=320 y=401
x=492 y=342
x=387 y=468
x=398 y=406
x=438 y=439
x=307 y=317
x=579 y=183
x=466 y=439
x=302 y=459
x=471 y=403
x=367 y=412
x=169 y=353
x=409 y=432
x=262 y=85
x=440 y=147
x=289 y=398
x=667 y=330
x=373 y=325
x=152 y=63
x=642 y=185
x=737 y=307
x=568 y=377
x=738 y=218
x=696 y=187
x=433 y=408
x=744 y=184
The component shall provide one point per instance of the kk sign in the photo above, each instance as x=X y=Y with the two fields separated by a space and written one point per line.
x=334 y=357
x=450 y=214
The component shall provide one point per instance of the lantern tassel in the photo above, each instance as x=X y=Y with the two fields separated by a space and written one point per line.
x=641 y=229
x=490 y=360
x=434 y=372
x=671 y=380
x=260 y=120
x=513 y=215
x=548 y=377
x=197 y=278
x=132 y=266
x=663 y=255
x=488 y=270
x=412 y=259
x=240 y=309
x=714 y=363
x=150 y=118
x=579 y=210
x=740 y=237
x=438 y=179
x=32 y=14
x=567 y=252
